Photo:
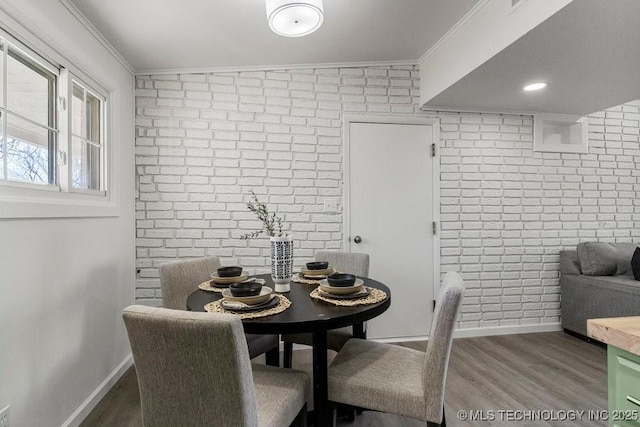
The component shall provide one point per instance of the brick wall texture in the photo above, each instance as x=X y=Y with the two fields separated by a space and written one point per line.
x=203 y=141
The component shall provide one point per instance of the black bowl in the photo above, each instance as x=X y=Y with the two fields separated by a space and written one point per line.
x=229 y=271
x=245 y=289
x=317 y=265
x=341 y=279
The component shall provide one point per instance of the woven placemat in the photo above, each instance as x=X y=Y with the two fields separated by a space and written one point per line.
x=298 y=278
x=206 y=286
x=375 y=296
x=216 y=307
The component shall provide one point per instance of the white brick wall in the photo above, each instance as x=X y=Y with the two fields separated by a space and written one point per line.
x=204 y=141
x=507 y=211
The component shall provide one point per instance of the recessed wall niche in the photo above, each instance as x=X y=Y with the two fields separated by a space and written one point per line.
x=560 y=133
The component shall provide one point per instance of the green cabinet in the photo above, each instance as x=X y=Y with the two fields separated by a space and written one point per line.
x=624 y=387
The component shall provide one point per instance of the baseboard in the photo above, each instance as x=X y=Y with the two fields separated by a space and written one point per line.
x=507 y=330
x=467 y=333
x=475 y=332
x=87 y=406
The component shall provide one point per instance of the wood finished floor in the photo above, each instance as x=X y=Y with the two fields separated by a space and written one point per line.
x=545 y=371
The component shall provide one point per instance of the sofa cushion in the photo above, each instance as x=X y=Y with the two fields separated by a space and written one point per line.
x=635 y=264
x=569 y=262
x=606 y=259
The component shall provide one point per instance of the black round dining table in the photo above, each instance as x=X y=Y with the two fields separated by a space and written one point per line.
x=307 y=315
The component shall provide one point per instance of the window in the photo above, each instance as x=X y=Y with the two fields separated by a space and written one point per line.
x=86 y=138
x=54 y=124
x=27 y=95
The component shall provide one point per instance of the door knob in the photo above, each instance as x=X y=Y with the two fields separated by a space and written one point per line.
x=357 y=239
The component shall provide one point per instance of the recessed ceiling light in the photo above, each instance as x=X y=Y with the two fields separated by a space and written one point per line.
x=534 y=86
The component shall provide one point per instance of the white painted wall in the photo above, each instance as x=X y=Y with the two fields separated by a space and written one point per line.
x=64 y=281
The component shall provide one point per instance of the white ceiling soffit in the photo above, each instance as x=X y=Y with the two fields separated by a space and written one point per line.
x=588 y=53
x=163 y=35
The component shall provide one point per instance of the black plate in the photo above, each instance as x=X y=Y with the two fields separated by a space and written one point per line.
x=268 y=304
x=218 y=285
x=356 y=295
x=313 y=276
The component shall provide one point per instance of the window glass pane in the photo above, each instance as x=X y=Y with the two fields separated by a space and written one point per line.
x=85 y=171
x=29 y=89
x=1 y=72
x=28 y=152
x=93 y=118
x=1 y=155
x=25 y=131
x=94 y=164
x=86 y=117
x=78 y=118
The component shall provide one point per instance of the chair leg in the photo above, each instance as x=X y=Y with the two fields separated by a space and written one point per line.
x=359 y=331
x=347 y=411
x=334 y=413
x=273 y=357
x=288 y=354
x=301 y=418
x=442 y=423
x=351 y=413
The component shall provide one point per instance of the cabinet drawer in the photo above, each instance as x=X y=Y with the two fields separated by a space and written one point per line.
x=624 y=388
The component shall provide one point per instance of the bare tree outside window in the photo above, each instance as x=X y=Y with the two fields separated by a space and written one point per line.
x=26 y=162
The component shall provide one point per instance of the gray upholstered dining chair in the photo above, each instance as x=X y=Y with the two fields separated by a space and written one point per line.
x=178 y=279
x=193 y=369
x=347 y=262
x=399 y=380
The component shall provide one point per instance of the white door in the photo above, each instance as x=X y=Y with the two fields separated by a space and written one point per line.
x=389 y=194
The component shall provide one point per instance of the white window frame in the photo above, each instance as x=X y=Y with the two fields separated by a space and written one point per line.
x=46 y=65
x=67 y=80
x=61 y=200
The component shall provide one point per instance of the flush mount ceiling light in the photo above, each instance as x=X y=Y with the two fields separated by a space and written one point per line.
x=534 y=86
x=294 y=18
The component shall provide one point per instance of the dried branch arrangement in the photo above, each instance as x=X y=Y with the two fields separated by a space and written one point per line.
x=272 y=224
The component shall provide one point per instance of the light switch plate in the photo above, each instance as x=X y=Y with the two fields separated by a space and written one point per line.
x=331 y=205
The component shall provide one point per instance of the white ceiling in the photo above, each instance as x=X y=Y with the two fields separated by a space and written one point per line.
x=588 y=52
x=201 y=34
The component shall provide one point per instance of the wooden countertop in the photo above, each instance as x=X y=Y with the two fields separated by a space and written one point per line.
x=621 y=332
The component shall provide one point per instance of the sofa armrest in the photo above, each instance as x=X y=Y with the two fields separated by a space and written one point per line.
x=592 y=297
x=569 y=262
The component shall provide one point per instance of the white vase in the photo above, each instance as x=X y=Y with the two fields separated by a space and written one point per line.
x=281 y=262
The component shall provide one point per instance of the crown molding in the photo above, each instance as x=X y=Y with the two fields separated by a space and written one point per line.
x=207 y=70
x=461 y=23
x=96 y=33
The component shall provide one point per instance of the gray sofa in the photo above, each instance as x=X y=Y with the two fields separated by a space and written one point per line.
x=596 y=281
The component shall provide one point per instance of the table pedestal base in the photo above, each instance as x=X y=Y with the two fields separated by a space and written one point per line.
x=323 y=415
